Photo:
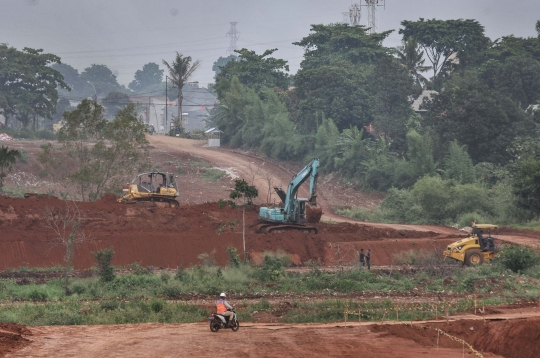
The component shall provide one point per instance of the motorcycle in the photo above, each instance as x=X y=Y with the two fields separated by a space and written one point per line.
x=218 y=322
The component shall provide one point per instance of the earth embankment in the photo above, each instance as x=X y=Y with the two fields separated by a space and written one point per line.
x=168 y=237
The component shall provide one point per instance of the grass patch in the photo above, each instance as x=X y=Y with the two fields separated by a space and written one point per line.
x=212 y=174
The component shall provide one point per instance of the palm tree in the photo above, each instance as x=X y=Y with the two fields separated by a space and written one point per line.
x=411 y=58
x=7 y=159
x=180 y=72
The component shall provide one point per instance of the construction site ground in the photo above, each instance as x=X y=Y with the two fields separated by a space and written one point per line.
x=168 y=237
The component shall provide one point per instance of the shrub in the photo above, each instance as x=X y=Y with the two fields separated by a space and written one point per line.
x=181 y=273
x=517 y=258
x=271 y=270
x=172 y=291
x=234 y=259
x=37 y=295
x=165 y=277
x=103 y=261
x=157 y=305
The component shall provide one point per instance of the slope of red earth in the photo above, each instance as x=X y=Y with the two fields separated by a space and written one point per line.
x=508 y=338
x=168 y=237
x=12 y=337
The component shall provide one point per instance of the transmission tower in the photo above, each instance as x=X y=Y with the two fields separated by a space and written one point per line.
x=354 y=15
x=372 y=14
x=233 y=34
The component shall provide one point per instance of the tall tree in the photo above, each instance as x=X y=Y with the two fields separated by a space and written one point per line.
x=255 y=71
x=481 y=118
x=411 y=58
x=101 y=78
x=392 y=87
x=180 y=71
x=442 y=39
x=339 y=91
x=340 y=42
x=102 y=153
x=8 y=157
x=150 y=75
x=221 y=62
x=28 y=83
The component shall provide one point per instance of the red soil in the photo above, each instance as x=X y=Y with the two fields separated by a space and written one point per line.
x=511 y=339
x=168 y=237
x=11 y=337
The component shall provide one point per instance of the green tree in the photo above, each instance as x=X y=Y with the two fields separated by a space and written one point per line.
x=526 y=186
x=149 y=76
x=221 y=62
x=255 y=71
x=392 y=87
x=420 y=154
x=103 y=153
x=114 y=102
x=458 y=164
x=517 y=77
x=103 y=259
x=8 y=157
x=441 y=39
x=478 y=117
x=180 y=71
x=28 y=84
x=339 y=91
x=245 y=192
x=72 y=78
x=411 y=58
x=102 y=78
x=327 y=44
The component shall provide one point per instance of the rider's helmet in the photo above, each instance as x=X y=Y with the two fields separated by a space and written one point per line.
x=222 y=295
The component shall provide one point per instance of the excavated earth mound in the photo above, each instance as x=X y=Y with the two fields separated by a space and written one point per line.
x=168 y=237
x=511 y=339
x=11 y=337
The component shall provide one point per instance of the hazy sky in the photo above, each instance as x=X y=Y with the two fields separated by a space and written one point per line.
x=126 y=34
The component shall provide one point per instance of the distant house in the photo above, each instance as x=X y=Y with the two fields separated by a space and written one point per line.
x=417 y=103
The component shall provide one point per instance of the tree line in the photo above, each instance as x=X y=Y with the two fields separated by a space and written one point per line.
x=471 y=152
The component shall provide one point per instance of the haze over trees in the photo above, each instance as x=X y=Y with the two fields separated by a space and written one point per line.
x=349 y=104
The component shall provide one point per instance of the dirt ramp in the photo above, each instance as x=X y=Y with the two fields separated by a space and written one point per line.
x=12 y=337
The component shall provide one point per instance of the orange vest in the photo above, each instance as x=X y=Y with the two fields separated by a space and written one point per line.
x=220 y=306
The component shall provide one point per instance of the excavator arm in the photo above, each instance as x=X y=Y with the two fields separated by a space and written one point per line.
x=309 y=171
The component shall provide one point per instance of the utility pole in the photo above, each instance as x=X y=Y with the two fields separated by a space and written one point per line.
x=233 y=34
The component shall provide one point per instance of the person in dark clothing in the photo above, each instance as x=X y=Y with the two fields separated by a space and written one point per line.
x=368 y=259
x=362 y=258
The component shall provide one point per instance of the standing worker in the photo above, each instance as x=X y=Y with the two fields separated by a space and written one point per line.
x=362 y=258
x=368 y=259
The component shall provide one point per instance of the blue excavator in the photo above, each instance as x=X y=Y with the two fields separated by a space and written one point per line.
x=293 y=213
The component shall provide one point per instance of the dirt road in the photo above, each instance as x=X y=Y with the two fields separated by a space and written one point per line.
x=265 y=175
x=196 y=340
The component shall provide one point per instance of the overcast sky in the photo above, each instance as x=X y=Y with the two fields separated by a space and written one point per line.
x=126 y=34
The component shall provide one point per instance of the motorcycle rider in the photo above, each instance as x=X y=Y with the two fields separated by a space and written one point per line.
x=221 y=308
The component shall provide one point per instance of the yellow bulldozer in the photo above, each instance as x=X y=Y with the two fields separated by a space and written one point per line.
x=154 y=188
x=475 y=249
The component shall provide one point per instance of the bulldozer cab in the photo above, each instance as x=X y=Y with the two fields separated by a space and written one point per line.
x=154 y=181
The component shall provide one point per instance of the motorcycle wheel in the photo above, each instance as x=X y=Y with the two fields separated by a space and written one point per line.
x=214 y=326
x=235 y=325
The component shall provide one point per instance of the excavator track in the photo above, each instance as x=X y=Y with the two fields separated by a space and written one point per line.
x=270 y=228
